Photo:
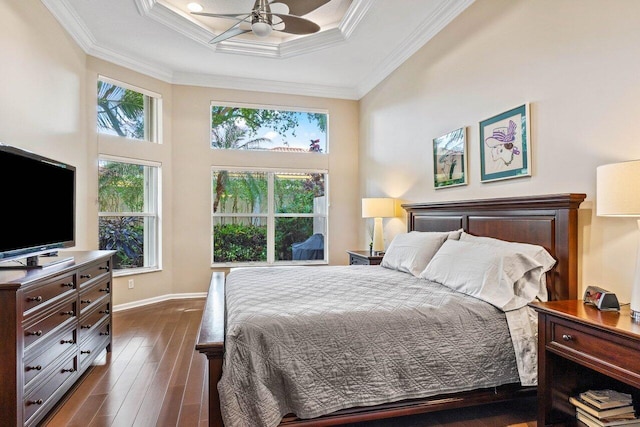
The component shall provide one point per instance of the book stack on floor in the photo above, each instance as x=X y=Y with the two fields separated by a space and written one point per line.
x=603 y=408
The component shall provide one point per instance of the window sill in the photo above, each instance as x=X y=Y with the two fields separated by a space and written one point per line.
x=135 y=271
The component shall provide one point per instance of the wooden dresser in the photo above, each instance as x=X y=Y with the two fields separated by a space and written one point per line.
x=582 y=348
x=53 y=323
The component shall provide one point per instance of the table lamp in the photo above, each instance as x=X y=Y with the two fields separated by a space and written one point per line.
x=617 y=195
x=378 y=208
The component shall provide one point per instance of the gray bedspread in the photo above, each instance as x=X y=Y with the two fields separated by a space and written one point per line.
x=313 y=340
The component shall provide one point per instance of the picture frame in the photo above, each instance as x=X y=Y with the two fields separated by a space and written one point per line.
x=450 y=159
x=505 y=145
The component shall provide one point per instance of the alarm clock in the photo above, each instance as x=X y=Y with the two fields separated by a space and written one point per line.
x=601 y=298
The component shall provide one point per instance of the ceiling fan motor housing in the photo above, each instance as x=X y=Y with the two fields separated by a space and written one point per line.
x=261 y=23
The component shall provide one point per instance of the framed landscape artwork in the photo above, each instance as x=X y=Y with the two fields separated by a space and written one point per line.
x=450 y=159
x=505 y=144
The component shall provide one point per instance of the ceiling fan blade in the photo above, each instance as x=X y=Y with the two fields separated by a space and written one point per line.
x=296 y=25
x=301 y=7
x=231 y=32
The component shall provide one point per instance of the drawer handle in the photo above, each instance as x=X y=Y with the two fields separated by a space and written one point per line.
x=104 y=290
x=104 y=312
x=38 y=298
x=67 y=342
x=85 y=327
x=36 y=333
x=85 y=301
x=106 y=334
x=567 y=337
x=68 y=370
x=35 y=402
x=85 y=276
x=85 y=352
x=34 y=368
x=67 y=285
x=103 y=268
x=68 y=313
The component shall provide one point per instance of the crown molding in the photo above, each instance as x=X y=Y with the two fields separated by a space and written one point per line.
x=71 y=22
x=270 y=86
x=150 y=69
x=181 y=22
x=418 y=38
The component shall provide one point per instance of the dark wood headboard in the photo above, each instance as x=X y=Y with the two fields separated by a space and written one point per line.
x=550 y=221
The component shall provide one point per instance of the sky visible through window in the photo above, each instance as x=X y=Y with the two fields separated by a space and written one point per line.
x=241 y=128
x=306 y=132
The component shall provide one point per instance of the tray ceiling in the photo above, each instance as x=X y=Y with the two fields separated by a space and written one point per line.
x=359 y=44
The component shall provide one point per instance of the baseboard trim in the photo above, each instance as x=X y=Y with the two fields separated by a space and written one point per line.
x=154 y=300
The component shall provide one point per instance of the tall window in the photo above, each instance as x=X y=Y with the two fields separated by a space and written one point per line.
x=245 y=128
x=269 y=217
x=128 y=196
x=127 y=111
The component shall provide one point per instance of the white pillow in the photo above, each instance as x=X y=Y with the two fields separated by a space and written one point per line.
x=536 y=252
x=411 y=252
x=487 y=272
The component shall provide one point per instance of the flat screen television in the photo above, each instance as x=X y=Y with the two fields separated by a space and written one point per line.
x=37 y=216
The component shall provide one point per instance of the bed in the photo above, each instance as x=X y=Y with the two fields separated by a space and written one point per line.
x=549 y=221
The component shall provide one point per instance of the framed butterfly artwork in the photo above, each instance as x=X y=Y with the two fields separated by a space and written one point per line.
x=505 y=145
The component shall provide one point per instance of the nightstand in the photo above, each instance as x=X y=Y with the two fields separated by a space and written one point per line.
x=581 y=348
x=364 y=258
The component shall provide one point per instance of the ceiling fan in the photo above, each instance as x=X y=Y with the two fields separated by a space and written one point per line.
x=264 y=21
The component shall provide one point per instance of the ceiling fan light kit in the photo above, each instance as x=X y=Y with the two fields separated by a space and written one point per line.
x=262 y=19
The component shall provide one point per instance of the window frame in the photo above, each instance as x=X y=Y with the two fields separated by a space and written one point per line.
x=152 y=103
x=153 y=208
x=270 y=216
x=274 y=108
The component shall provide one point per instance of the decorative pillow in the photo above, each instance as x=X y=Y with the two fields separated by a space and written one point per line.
x=455 y=235
x=536 y=252
x=411 y=252
x=487 y=272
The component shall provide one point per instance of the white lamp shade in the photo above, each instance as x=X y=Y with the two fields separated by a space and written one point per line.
x=378 y=207
x=617 y=195
x=617 y=189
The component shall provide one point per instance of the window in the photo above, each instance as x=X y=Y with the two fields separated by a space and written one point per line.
x=243 y=128
x=127 y=111
x=269 y=217
x=128 y=197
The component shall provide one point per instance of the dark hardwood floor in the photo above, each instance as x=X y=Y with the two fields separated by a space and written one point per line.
x=154 y=377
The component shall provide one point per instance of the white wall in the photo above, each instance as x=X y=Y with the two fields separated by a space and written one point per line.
x=155 y=283
x=47 y=105
x=193 y=159
x=42 y=95
x=575 y=62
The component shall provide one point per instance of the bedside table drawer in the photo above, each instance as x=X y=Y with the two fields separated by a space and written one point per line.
x=600 y=349
x=358 y=261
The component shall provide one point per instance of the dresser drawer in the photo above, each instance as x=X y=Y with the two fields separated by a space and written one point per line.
x=90 y=322
x=91 y=348
x=38 y=296
x=38 y=366
x=37 y=329
x=40 y=397
x=596 y=348
x=94 y=272
x=94 y=295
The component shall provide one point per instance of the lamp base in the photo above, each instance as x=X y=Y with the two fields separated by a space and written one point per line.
x=635 y=315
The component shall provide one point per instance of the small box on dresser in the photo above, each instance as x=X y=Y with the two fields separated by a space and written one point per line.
x=53 y=323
